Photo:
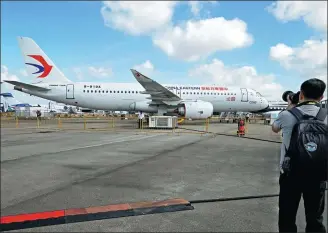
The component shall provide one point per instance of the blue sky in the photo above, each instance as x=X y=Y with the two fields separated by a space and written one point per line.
x=75 y=37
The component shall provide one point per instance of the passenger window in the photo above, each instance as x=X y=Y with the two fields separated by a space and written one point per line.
x=132 y=91
x=103 y=91
x=88 y=91
x=125 y=92
x=83 y=90
x=129 y=91
x=91 y=91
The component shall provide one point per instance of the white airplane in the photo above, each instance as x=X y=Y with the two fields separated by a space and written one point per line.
x=190 y=101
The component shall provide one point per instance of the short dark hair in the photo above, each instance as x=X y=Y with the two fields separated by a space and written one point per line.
x=313 y=88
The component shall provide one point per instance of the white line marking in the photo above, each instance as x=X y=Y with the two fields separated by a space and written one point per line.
x=83 y=147
x=107 y=143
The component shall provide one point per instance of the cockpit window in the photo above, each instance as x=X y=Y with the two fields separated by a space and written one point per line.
x=258 y=94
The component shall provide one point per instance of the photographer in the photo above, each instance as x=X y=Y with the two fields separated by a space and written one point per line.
x=308 y=179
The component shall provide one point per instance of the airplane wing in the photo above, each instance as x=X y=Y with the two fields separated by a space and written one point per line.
x=157 y=92
x=27 y=86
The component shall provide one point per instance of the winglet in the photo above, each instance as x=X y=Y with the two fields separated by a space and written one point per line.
x=156 y=90
x=140 y=77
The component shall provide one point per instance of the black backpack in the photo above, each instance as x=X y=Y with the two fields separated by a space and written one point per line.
x=307 y=154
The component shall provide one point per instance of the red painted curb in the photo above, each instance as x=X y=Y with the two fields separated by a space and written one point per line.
x=30 y=220
x=32 y=216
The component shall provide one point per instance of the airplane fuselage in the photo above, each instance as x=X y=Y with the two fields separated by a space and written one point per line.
x=129 y=96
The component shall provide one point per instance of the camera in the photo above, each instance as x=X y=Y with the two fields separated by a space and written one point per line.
x=294 y=97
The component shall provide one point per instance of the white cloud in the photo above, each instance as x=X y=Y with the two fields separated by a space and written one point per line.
x=314 y=13
x=246 y=76
x=5 y=75
x=100 y=72
x=137 y=17
x=193 y=40
x=145 y=68
x=195 y=7
x=78 y=72
x=309 y=59
x=23 y=72
x=199 y=39
x=83 y=72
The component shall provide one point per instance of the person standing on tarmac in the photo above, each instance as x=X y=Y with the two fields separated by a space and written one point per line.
x=38 y=115
x=295 y=184
x=247 y=118
x=140 y=119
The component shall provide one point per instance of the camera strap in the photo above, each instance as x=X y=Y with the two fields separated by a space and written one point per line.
x=308 y=103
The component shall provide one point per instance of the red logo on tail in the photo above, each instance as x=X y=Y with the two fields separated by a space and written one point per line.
x=45 y=68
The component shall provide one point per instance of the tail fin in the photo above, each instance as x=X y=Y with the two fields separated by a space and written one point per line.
x=38 y=64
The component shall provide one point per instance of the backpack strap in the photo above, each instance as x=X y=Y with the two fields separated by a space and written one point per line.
x=296 y=113
x=322 y=114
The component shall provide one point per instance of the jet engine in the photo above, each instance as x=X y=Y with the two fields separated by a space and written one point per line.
x=196 y=110
x=142 y=106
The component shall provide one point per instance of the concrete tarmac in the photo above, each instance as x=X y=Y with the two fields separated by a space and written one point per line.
x=60 y=170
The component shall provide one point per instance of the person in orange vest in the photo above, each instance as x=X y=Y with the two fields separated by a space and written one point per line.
x=241 y=127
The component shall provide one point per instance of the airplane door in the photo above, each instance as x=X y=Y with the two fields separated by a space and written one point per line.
x=178 y=93
x=70 y=91
x=244 y=95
